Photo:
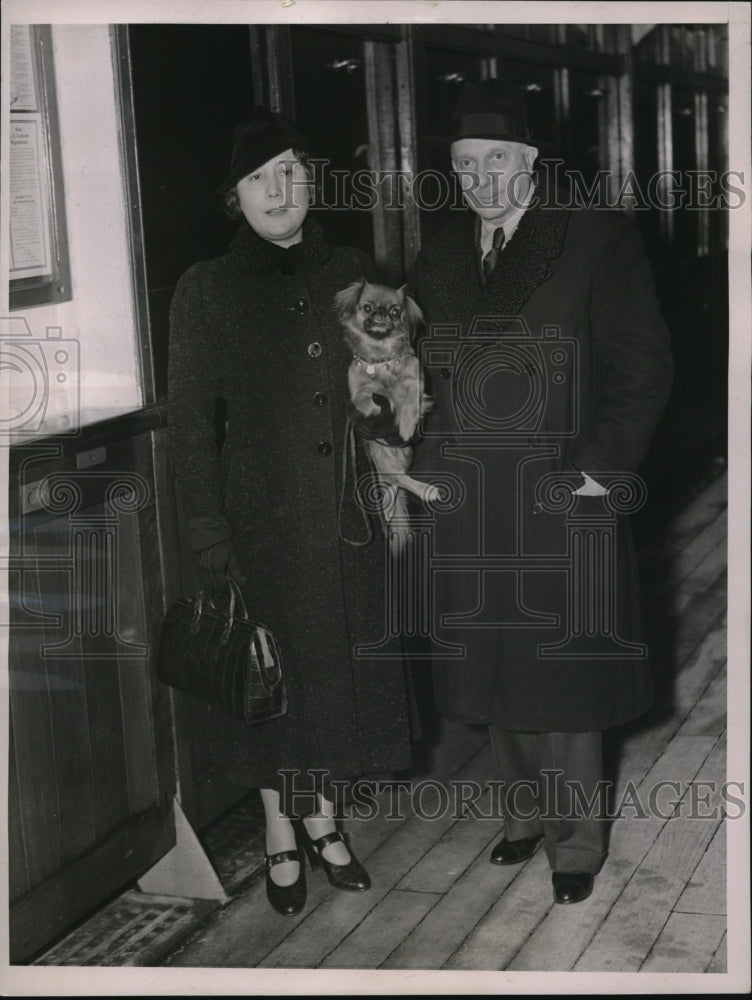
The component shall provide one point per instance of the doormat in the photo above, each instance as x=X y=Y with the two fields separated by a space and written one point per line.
x=143 y=929
x=136 y=929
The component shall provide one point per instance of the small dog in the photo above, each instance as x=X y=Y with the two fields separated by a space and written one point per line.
x=386 y=389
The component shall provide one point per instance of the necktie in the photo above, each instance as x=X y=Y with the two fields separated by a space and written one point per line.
x=489 y=261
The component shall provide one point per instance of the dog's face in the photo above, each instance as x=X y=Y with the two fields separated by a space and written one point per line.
x=376 y=311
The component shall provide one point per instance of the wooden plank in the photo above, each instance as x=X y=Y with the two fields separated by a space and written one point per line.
x=709 y=715
x=444 y=863
x=642 y=745
x=682 y=552
x=476 y=764
x=710 y=569
x=702 y=510
x=382 y=931
x=501 y=932
x=246 y=930
x=687 y=943
x=719 y=962
x=706 y=611
x=450 y=922
x=624 y=940
x=706 y=890
x=674 y=634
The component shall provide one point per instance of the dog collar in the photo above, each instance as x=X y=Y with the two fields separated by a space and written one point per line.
x=384 y=363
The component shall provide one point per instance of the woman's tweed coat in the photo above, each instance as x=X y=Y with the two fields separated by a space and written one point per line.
x=576 y=383
x=255 y=328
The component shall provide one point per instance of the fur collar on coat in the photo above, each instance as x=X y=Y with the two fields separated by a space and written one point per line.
x=451 y=270
x=251 y=252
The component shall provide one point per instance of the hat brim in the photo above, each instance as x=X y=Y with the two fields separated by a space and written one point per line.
x=263 y=151
x=445 y=141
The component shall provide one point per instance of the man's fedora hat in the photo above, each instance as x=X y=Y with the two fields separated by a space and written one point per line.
x=263 y=135
x=492 y=109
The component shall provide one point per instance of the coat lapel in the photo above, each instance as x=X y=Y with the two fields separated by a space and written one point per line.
x=451 y=265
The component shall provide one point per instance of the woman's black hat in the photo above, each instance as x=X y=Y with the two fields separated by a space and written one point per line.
x=263 y=135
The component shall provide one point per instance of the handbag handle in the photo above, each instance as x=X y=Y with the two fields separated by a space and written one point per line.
x=236 y=598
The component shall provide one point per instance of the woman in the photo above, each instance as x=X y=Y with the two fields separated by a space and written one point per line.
x=255 y=329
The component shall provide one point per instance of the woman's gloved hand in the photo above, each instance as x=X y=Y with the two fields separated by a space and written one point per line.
x=214 y=563
x=381 y=425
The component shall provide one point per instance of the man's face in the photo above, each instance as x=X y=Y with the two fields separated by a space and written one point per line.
x=494 y=175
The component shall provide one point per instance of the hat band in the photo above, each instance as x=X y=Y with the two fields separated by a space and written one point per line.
x=469 y=125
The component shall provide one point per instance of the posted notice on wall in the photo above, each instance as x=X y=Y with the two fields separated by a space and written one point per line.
x=30 y=255
x=23 y=90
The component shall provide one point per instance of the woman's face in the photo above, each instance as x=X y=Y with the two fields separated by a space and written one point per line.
x=274 y=199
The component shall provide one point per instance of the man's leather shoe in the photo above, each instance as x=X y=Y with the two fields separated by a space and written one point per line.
x=572 y=887
x=513 y=852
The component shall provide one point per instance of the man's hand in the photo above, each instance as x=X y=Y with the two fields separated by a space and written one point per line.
x=590 y=488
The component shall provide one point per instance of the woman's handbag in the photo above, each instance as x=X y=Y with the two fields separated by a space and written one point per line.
x=222 y=659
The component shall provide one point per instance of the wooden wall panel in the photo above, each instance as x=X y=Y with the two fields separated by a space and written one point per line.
x=66 y=684
x=18 y=879
x=136 y=541
x=92 y=753
x=33 y=743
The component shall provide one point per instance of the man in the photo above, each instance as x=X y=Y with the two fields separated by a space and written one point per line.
x=549 y=364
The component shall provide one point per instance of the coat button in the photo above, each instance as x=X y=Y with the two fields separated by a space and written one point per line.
x=320 y=399
x=325 y=448
x=315 y=349
x=287 y=269
x=301 y=306
x=446 y=373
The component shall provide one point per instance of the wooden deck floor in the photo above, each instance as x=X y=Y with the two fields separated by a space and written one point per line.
x=659 y=903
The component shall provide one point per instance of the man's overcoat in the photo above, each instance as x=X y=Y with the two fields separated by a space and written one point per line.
x=559 y=365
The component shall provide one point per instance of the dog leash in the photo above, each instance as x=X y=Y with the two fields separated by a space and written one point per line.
x=348 y=448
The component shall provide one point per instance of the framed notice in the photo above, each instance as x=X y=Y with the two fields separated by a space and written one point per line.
x=39 y=270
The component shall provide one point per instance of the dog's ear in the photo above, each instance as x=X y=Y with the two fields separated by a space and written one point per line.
x=412 y=309
x=346 y=301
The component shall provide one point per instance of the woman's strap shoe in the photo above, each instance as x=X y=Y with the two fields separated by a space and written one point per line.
x=286 y=899
x=352 y=876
